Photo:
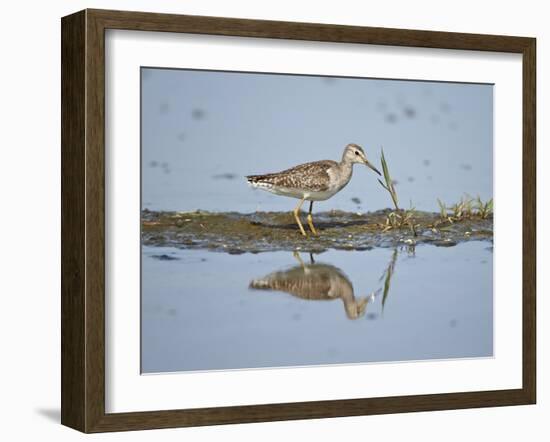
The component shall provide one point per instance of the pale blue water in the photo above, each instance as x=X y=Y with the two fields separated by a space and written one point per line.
x=198 y=312
x=202 y=132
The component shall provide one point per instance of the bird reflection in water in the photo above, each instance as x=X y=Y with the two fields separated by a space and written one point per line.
x=316 y=281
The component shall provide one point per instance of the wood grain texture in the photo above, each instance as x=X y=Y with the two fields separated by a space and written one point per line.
x=529 y=220
x=145 y=21
x=73 y=128
x=308 y=410
x=83 y=220
x=95 y=221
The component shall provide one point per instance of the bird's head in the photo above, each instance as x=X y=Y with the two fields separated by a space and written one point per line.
x=355 y=154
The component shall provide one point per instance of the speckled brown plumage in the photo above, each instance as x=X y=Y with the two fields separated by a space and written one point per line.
x=315 y=181
x=309 y=176
x=319 y=282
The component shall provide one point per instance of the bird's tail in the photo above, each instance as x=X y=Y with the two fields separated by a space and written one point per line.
x=258 y=180
x=254 y=178
x=261 y=284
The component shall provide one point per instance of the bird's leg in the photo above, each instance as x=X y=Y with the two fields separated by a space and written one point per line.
x=310 y=219
x=297 y=256
x=297 y=218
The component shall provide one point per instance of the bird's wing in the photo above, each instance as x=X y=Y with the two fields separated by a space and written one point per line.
x=311 y=176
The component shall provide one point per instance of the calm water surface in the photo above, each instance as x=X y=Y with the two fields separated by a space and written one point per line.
x=202 y=132
x=208 y=311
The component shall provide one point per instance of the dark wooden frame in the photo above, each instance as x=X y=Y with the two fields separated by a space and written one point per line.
x=83 y=218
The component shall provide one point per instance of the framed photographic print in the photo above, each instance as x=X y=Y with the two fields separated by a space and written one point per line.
x=270 y=220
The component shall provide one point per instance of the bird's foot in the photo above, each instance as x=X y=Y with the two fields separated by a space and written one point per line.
x=311 y=226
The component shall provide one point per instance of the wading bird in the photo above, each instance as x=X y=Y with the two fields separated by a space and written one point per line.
x=316 y=181
x=316 y=282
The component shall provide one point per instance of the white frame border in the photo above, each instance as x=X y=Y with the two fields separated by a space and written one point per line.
x=127 y=390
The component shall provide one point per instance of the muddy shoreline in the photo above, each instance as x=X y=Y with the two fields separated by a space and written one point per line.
x=238 y=233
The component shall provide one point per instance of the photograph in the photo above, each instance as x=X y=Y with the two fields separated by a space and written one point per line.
x=307 y=220
x=292 y=217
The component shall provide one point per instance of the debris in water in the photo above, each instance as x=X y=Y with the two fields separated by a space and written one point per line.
x=391 y=118
x=198 y=114
x=225 y=176
x=409 y=112
x=165 y=257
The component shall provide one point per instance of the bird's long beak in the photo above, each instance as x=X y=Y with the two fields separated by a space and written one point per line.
x=372 y=167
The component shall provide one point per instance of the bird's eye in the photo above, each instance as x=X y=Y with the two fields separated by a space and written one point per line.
x=356 y=152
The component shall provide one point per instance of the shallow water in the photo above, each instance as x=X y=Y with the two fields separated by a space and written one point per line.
x=205 y=310
x=203 y=132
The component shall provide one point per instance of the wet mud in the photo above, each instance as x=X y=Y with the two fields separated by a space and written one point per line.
x=237 y=233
